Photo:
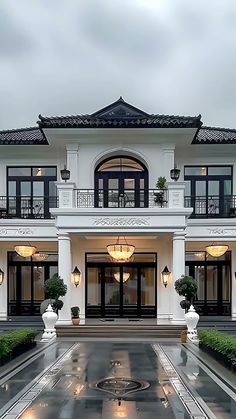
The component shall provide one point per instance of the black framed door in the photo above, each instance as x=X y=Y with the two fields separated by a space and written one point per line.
x=214 y=287
x=26 y=286
x=121 y=290
x=121 y=189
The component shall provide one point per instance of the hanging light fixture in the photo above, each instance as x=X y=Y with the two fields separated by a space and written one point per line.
x=76 y=276
x=165 y=276
x=25 y=251
x=216 y=250
x=1 y=276
x=126 y=276
x=120 y=252
x=40 y=256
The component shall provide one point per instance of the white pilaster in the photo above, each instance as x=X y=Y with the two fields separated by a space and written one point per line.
x=72 y=161
x=168 y=160
x=178 y=271
x=233 y=290
x=66 y=194
x=176 y=194
x=64 y=271
x=3 y=287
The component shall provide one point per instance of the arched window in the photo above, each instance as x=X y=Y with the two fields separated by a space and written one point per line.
x=121 y=182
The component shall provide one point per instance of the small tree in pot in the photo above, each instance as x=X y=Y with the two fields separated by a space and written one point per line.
x=75 y=315
x=54 y=289
x=186 y=286
x=161 y=186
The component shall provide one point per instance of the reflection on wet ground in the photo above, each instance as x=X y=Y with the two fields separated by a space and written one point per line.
x=69 y=371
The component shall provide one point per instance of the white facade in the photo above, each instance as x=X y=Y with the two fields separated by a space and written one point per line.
x=78 y=229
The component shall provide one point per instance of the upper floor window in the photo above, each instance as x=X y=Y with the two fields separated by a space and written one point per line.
x=208 y=189
x=120 y=164
x=31 y=191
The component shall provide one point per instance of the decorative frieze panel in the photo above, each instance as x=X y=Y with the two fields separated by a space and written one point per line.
x=121 y=221
x=11 y=231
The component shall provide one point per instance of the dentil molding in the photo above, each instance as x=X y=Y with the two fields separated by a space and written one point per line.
x=121 y=221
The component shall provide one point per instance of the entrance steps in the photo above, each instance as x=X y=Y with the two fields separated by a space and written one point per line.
x=227 y=326
x=121 y=331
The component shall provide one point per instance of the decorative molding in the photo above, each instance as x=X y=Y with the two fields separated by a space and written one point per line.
x=16 y=231
x=222 y=231
x=121 y=221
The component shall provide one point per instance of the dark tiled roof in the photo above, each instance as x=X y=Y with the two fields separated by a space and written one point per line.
x=120 y=114
x=212 y=135
x=23 y=136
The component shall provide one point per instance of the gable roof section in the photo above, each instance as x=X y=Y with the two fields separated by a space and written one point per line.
x=23 y=136
x=213 y=135
x=120 y=114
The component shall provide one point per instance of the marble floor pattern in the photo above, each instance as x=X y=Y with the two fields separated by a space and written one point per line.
x=60 y=383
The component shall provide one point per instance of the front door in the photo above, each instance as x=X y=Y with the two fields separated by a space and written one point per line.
x=213 y=295
x=121 y=290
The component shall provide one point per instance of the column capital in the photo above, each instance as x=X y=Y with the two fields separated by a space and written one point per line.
x=72 y=147
x=179 y=235
x=63 y=236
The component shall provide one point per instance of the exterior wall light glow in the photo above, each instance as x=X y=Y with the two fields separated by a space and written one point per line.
x=165 y=275
x=216 y=250
x=1 y=276
x=65 y=174
x=76 y=276
x=126 y=276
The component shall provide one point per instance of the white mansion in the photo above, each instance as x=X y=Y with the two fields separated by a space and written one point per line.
x=115 y=157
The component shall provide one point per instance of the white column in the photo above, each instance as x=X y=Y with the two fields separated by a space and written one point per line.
x=72 y=161
x=233 y=280
x=178 y=271
x=3 y=287
x=64 y=271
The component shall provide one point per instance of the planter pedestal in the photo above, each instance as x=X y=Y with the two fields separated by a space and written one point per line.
x=192 y=319
x=49 y=318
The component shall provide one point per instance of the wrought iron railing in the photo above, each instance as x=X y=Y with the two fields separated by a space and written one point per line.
x=27 y=207
x=127 y=198
x=212 y=206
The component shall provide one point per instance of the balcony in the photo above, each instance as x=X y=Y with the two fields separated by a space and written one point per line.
x=129 y=198
x=25 y=207
x=214 y=206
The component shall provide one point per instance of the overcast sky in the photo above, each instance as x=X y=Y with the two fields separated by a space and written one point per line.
x=61 y=57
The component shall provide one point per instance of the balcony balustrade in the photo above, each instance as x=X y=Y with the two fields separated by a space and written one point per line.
x=214 y=206
x=27 y=207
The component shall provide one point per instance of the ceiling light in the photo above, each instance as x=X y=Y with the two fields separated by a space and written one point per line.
x=120 y=252
x=25 y=251
x=217 y=250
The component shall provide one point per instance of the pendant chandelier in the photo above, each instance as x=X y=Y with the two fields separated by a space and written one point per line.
x=40 y=256
x=216 y=250
x=25 y=251
x=126 y=276
x=120 y=252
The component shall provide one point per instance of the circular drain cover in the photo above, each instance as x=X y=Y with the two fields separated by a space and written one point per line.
x=120 y=386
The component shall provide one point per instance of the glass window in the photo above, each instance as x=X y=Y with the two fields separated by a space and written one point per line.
x=44 y=171
x=197 y=255
x=199 y=275
x=213 y=187
x=104 y=257
x=148 y=286
x=112 y=286
x=38 y=188
x=226 y=283
x=25 y=188
x=120 y=164
x=19 y=171
x=12 y=188
x=12 y=283
x=94 y=286
x=212 y=282
x=227 y=187
x=26 y=284
x=38 y=276
x=130 y=285
x=187 y=188
x=200 y=188
x=195 y=171
x=223 y=170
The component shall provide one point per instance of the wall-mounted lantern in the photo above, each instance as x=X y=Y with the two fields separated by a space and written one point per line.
x=175 y=173
x=165 y=275
x=1 y=276
x=65 y=174
x=76 y=276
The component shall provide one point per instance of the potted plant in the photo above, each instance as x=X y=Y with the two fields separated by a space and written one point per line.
x=160 y=195
x=75 y=315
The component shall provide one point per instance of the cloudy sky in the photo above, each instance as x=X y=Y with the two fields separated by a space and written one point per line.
x=61 y=57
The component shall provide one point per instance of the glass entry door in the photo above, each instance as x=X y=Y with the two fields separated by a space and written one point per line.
x=121 y=290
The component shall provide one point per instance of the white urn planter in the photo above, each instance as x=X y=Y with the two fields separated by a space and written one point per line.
x=49 y=318
x=192 y=319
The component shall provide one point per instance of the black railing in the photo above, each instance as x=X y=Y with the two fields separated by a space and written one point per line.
x=212 y=206
x=127 y=198
x=27 y=207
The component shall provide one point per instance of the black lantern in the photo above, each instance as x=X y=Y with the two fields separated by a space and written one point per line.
x=165 y=276
x=1 y=276
x=76 y=275
x=65 y=174
x=175 y=173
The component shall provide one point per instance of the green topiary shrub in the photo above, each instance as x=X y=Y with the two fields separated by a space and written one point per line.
x=54 y=288
x=186 y=286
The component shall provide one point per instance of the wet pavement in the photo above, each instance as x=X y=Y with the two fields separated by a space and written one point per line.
x=62 y=383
